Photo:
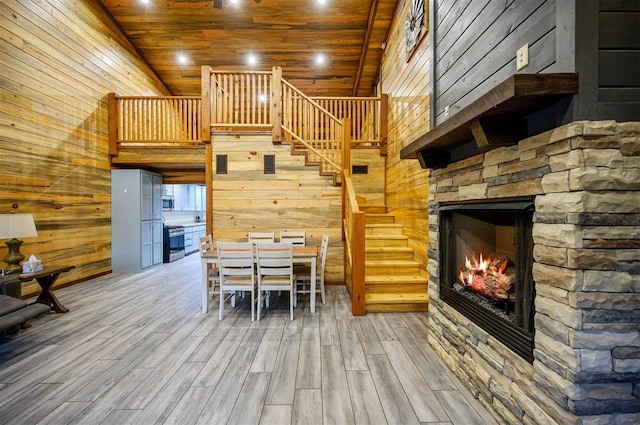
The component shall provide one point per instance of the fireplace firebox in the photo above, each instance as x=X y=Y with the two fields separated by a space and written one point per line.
x=486 y=254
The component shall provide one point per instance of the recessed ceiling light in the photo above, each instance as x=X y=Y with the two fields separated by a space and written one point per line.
x=144 y=1
x=262 y=98
x=321 y=58
x=252 y=59
x=182 y=59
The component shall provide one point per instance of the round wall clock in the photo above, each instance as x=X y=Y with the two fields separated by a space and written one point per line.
x=414 y=26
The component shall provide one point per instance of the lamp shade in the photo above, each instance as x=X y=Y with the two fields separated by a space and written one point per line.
x=17 y=226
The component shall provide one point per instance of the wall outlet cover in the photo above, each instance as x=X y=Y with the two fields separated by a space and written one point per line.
x=522 y=57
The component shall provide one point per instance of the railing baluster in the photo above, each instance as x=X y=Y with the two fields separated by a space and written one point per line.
x=146 y=120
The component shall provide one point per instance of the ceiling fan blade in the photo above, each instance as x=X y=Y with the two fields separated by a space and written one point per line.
x=217 y=4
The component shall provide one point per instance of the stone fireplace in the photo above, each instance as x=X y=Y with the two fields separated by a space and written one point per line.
x=582 y=268
x=485 y=262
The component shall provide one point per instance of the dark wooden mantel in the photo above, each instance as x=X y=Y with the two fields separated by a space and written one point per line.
x=495 y=119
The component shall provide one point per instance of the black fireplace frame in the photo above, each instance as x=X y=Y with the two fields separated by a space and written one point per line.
x=517 y=337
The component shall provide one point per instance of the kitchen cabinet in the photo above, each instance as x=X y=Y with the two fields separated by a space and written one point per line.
x=187 y=197
x=136 y=220
x=192 y=235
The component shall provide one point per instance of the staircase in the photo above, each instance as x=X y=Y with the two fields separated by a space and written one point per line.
x=312 y=159
x=394 y=281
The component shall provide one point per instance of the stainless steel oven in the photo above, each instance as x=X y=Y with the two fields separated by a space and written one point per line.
x=173 y=243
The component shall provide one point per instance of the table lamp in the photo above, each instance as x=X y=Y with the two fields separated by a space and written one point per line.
x=15 y=226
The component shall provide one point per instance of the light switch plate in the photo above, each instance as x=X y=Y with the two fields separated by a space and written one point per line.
x=522 y=57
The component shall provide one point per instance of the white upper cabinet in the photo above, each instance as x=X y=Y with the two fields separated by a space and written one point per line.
x=187 y=197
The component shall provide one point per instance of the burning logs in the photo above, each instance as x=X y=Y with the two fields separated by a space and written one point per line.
x=492 y=277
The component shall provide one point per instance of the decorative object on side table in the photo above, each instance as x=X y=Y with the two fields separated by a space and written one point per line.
x=15 y=226
x=415 y=27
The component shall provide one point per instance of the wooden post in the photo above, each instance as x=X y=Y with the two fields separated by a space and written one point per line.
x=208 y=178
x=346 y=174
x=384 y=129
x=346 y=143
x=358 y=252
x=113 y=123
x=276 y=104
x=205 y=85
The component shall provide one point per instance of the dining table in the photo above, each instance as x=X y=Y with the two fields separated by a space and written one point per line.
x=301 y=255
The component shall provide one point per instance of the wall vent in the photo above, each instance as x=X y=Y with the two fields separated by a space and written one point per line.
x=269 y=164
x=221 y=164
x=359 y=169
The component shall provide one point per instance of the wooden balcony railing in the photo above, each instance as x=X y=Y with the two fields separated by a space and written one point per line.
x=368 y=124
x=145 y=121
x=239 y=101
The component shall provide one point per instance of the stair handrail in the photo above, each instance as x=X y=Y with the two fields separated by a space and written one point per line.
x=353 y=228
x=303 y=142
x=308 y=122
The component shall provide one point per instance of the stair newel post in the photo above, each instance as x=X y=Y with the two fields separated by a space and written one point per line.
x=346 y=166
x=358 y=252
x=353 y=229
x=382 y=119
x=276 y=103
x=205 y=85
x=346 y=144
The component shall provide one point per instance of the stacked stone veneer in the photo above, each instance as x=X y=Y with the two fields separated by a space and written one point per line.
x=585 y=178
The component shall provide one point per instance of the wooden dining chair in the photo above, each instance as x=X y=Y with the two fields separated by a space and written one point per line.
x=212 y=272
x=295 y=237
x=275 y=271
x=236 y=264
x=262 y=237
x=303 y=281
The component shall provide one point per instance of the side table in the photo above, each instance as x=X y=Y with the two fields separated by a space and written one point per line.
x=46 y=278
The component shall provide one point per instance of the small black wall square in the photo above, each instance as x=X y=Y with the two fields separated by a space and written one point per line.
x=359 y=169
x=221 y=164
x=269 y=164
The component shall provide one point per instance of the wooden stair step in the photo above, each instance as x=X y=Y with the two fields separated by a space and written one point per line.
x=386 y=298
x=392 y=267
x=374 y=209
x=383 y=229
x=379 y=218
x=386 y=279
x=388 y=253
x=393 y=263
x=412 y=283
x=386 y=240
x=393 y=303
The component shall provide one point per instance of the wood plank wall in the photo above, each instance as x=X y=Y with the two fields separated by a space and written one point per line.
x=58 y=61
x=476 y=43
x=618 y=58
x=406 y=81
x=369 y=187
x=296 y=197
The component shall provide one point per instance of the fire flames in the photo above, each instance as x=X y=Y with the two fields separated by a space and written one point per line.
x=492 y=277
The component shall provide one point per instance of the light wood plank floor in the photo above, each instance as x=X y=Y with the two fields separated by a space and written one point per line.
x=136 y=349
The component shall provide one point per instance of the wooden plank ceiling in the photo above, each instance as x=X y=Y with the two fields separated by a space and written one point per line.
x=285 y=33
